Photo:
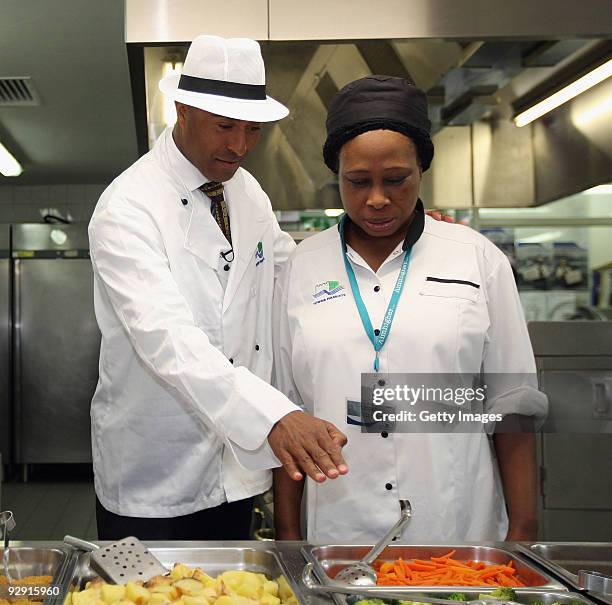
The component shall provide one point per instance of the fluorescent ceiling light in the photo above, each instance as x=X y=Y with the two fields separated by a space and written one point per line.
x=9 y=166
x=597 y=75
x=333 y=212
x=599 y=190
x=169 y=108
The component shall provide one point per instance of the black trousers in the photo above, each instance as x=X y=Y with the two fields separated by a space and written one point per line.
x=229 y=521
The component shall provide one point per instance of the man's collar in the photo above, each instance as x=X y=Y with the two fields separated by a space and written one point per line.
x=415 y=229
x=191 y=177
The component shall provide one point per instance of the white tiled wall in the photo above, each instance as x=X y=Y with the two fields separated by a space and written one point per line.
x=23 y=203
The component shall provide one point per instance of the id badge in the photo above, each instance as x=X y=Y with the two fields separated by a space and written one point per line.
x=362 y=415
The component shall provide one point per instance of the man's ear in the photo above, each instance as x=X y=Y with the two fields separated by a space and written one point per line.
x=181 y=111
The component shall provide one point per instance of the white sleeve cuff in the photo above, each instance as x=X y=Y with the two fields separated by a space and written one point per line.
x=253 y=409
x=523 y=401
x=262 y=458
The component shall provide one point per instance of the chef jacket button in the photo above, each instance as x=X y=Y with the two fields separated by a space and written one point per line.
x=231 y=360
x=257 y=347
x=381 y=383
x=384 y=434
x=226 y=268
x=388 y=486
x=185 y=202
x=376 y=332
x=376 y=288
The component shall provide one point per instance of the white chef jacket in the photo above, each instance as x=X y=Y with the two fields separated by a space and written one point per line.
x=183 y=405
x=321 y=349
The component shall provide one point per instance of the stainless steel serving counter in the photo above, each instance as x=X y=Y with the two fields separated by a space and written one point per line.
x=266 y=556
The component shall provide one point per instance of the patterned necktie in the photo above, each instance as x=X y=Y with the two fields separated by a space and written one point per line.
x=218 y=207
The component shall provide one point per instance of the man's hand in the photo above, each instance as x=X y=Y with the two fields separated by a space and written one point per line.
x=440 y=216
x=309 y=445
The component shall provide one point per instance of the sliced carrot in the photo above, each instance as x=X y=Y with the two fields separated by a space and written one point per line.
x=420 y=565
x=446 y=571
x=443 y=557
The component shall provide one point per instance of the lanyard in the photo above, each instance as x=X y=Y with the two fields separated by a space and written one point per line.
x=377 y=341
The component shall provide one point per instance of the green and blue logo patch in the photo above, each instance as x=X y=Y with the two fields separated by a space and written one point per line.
x=259 y=254
x=327 y=290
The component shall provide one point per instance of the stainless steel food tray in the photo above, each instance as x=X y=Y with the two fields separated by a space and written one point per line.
x=30 y=561
x=526 y=597
x=566 y=559
x=328 y=560
x=27 y=561
x=213 y=561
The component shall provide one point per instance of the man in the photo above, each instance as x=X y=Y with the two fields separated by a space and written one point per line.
x=185 y=248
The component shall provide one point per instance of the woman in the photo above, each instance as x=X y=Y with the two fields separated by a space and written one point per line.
x=391 y=290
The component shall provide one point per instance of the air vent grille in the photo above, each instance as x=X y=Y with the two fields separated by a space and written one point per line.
x=18 y=92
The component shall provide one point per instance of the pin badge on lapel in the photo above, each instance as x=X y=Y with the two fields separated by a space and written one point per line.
x=259 y=254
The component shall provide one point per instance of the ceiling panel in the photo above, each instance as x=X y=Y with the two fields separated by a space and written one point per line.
x=320 y=19
x=83 y=130
x=183 y=20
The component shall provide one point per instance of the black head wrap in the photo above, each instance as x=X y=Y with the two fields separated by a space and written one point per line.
x=378 y=103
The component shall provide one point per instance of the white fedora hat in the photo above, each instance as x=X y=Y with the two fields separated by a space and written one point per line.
x=225 y=76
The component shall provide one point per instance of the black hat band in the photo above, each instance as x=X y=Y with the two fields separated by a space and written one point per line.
x=236 y=90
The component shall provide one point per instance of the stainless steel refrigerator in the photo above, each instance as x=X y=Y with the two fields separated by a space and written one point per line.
x=56 y=343
x=5 y=395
